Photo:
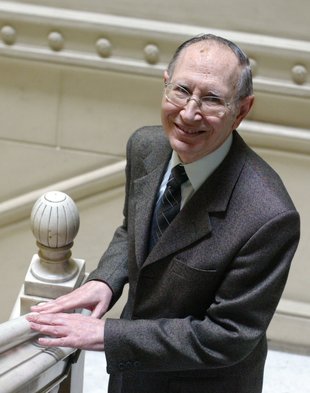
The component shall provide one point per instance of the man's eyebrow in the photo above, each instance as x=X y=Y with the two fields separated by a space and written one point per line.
x=212 y=93
x=207 y=92
x=184 y=85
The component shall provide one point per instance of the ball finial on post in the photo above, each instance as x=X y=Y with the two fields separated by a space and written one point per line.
x=52 y=271
x=55 y=223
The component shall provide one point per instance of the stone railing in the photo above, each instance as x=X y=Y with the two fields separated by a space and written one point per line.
x=26 y=366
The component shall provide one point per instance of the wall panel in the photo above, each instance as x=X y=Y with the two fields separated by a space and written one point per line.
x=29 y=101
x=100 y=109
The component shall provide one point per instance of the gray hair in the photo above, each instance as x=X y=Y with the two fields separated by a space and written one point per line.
x=245 y=84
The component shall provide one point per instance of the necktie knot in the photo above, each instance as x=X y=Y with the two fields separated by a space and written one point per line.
x=177 y=177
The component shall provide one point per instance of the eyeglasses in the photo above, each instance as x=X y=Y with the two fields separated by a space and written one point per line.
x=209 y=105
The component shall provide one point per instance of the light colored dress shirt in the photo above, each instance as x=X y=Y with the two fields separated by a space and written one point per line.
x=197 y=171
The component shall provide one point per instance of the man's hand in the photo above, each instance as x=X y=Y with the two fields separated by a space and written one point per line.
x=94 y=296
x=69 y=330
x=73 y=330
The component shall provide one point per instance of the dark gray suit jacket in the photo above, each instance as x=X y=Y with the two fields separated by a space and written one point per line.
x=200 y=302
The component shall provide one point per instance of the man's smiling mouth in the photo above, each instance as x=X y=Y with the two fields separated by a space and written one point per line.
x=189 y=131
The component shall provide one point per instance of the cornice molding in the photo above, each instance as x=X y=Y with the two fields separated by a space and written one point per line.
x=131 y=45
x=276 y=137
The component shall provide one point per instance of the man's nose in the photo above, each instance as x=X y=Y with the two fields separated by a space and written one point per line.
x=191 y=111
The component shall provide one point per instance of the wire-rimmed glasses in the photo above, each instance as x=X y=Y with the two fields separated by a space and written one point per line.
x=209 y=105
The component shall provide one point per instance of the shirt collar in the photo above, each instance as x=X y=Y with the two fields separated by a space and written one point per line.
x=198 y=171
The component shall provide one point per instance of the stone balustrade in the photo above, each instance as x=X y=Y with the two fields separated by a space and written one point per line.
x=25 y=366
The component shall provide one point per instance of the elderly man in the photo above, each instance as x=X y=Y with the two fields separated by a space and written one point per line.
x=208 y=236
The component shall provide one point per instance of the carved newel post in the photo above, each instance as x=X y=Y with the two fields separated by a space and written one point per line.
x=53 y=272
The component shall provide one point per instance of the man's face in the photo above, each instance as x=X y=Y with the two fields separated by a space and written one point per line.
x=203 y=69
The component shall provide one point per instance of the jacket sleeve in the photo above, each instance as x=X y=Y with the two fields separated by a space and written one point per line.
x=113 y=265
x=233 y=324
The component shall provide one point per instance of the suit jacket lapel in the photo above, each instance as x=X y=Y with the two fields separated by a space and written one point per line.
x=188 y=226
x=145 y=192
x=193 y=221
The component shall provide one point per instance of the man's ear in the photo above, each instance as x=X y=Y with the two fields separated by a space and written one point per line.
x=244 y=108
x=166 y=76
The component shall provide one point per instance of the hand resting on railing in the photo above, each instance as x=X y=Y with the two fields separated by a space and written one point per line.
x=73 y=330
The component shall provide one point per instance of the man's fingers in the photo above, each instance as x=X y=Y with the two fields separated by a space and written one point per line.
x=47 y=319
x=49 y=330
x=99 y=311
x=63 y=303
x=68 y=330
x=54 y=305
x=53 y=342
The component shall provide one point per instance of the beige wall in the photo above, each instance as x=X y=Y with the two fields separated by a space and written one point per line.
x=58 y=121
x=77 y=80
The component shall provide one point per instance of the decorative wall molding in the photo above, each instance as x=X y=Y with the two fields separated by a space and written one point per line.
x=77 y=187
x=276 y=137
x=100 y=41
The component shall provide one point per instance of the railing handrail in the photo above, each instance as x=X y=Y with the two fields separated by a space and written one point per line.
x=27 y=363
x=14 y=332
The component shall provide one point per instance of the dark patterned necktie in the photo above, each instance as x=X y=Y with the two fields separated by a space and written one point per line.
x=169 y=204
